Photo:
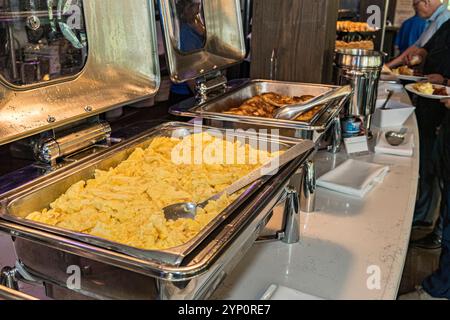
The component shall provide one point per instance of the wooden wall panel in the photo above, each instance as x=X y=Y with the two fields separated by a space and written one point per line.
x=302 y=33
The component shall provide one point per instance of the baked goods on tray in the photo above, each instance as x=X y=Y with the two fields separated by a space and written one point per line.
x=364 y=45
x=266 y=104
x=350 y=26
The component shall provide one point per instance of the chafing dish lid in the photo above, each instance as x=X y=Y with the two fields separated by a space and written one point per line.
x=201 y=36
x=118 y=39
x=359 y=59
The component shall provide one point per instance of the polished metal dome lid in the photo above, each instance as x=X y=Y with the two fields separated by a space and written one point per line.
x=359 y=59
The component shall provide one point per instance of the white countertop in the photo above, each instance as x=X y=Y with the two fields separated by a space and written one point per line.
x=343 y=241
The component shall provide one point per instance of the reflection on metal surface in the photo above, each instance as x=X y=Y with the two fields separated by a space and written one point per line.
x=224 y=45
x=45 y=41
x=188 y=25
x=122 y=68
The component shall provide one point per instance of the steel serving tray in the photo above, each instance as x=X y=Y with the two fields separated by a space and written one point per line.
x=213 y=109
x=18 y=205
x=46 y=257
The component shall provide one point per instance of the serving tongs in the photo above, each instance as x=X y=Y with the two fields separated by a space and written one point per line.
x=290 y=112
x=188 y=210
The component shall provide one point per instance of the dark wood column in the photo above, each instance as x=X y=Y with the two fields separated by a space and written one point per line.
x=302 y=35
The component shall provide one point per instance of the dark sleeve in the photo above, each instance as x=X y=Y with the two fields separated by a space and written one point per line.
x=442 y=33
x=429 y=44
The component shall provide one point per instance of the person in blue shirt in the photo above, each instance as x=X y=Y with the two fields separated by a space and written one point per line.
x=192 y=38
x=436 y=14
x=410 y=32
x=192 y=30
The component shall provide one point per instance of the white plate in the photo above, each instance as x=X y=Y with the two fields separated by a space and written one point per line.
x=410 y=78
x=410 y=88
x=396 y=77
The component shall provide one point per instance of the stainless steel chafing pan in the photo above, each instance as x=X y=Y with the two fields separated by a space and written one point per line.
x=46 y=256
x=212 y=110
x=16 y=207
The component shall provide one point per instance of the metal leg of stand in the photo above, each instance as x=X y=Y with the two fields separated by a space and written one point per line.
x=336 y=136
x=292 y=217
x=308 y=190
x=8 y=278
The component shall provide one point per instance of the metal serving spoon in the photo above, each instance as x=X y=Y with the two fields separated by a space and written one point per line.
x=395 y=139
x=188 y=210
x=390 y=94
x=290 y=112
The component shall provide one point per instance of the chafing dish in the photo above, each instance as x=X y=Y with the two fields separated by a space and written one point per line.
x=224 y=46
x=19 y=205
x=212 y=110
x=362 y=70
x=189 y=271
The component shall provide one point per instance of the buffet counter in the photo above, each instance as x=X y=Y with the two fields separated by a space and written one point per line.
x=350 y=248
x=344 y=245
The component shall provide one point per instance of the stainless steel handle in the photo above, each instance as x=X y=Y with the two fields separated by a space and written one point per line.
x=351 y=74
x=51 y=149
x=292 y=111
x=273 y=65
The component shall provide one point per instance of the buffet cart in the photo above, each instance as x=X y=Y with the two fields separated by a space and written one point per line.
x=58 y=120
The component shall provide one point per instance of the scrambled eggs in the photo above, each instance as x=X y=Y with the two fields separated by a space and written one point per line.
x=425 y=88
x=125 y=204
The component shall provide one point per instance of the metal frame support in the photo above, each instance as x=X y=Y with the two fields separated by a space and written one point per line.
x=8 y=278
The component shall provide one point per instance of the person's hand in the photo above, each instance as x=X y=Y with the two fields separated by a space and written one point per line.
x=415 y=56
x=435 y=78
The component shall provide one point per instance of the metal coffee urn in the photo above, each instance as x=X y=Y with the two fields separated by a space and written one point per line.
x=361 y=69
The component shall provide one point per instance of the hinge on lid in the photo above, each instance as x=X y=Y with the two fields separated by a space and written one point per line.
x=211 y=85
x=50 y=149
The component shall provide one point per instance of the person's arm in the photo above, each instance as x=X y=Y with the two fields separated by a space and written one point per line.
x=438 y=79
x=405 y=57
x=416 y=56
x=397 y=61
x=446 y=102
